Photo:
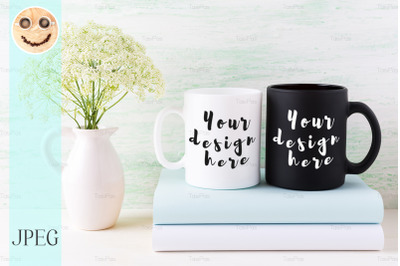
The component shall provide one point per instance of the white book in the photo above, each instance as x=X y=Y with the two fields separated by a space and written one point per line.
x=268 y=237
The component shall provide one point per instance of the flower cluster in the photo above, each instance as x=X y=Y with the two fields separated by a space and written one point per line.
x=100 y=65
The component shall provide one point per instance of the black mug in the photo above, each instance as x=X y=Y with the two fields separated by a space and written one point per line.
x=306 y=136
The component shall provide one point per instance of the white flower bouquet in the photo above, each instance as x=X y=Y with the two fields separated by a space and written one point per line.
x=100 y=66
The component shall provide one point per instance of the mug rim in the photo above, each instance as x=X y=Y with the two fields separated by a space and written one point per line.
x=306 y=87
x=226 y=91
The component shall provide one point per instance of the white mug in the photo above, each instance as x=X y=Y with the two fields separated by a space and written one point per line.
x=222 y=137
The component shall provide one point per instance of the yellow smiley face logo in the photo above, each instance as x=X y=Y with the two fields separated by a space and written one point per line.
x=35 y=30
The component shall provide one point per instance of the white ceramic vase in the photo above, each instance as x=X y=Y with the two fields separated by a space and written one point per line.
x=92 y=179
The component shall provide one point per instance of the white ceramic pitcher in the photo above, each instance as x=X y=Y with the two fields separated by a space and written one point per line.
x=92 y=177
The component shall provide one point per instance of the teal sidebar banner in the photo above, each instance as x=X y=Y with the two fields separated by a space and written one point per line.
x=35 y=83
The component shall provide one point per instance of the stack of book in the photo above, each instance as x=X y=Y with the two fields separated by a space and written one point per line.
x=265 y=217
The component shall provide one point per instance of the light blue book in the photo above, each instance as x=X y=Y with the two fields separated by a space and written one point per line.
x=176 y=202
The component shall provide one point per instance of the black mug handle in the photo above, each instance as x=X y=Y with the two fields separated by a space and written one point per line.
x=357 y=168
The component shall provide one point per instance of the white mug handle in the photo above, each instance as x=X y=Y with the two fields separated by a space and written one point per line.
x=157 y=138
x=48 y=142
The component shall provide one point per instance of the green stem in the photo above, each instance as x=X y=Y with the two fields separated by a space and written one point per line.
x=75 y=102
x=82 y=99
x=89 y=126
x=93 y=111
x=90 y=105
x=108 y=108
x=86 y=107
x=99 y=92
x=73 y=95
x=123 y=96
x=77 y=123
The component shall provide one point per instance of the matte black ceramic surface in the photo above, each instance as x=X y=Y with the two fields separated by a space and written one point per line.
x=306 y=136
